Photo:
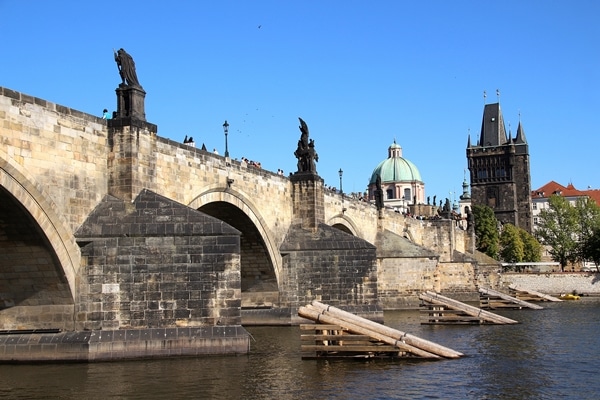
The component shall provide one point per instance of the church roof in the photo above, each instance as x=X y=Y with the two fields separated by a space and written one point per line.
x=396 y=168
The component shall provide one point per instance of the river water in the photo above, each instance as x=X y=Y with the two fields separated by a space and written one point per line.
x=553 y=353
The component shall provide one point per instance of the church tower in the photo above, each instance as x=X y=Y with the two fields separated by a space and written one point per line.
x=499 y=170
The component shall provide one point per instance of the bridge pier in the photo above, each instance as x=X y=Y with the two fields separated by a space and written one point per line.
x=324 y=263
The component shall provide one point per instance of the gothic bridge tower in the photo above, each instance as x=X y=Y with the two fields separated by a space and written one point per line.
x=499 y=170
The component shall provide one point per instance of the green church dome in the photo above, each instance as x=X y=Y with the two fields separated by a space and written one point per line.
x=396 y=168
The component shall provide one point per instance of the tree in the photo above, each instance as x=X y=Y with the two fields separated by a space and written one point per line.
x=486 y=231
x=557 y=228
x=588 y=218
x=591 y=247
x=532 y=249
x=513 y=249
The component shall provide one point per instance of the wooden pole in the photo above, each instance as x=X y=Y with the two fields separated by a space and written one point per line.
x=436 y=298
x=523 y=303
x=390 y=332
x=533 y=292
x=316 y=315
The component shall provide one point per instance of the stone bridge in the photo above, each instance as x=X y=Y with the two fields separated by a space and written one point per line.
x=105 y=226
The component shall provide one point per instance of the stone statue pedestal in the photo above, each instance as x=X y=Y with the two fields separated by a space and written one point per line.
x=308 y=196
x=130 y=102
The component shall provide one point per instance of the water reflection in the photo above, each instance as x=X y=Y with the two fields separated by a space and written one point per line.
x=552 y=354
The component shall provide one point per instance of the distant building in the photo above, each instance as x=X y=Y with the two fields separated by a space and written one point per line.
x=465 y=199
x=540 y=201
x=400 y=180
x=540 y=196
x=499 y=170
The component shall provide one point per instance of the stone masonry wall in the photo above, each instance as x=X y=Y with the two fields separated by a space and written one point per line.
x=157 y=264
x=400 y=280
x=64 y=149
x=555 y=283
x=330 y=266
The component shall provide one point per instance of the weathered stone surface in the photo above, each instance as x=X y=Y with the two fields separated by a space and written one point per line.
x=123 y=344
x=555 y=284
x=157 y=263
x=331 y=266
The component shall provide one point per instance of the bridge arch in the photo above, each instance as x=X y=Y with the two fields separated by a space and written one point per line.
x=344 y=223
x=239 y=211
x=22 y=196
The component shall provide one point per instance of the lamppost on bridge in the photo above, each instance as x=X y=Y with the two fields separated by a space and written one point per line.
x=341 y=189
x=226 y=130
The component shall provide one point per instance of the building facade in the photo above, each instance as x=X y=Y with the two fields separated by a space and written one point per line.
x=540 y=197
x=401 y=181
x=540 y=200
x=499 y=170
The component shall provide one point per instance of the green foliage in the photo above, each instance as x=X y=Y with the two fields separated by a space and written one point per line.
x=591 y=247
x=532 y=249
x=486 y=231
x=557 y=228
x=588 y=218
x=513 y=249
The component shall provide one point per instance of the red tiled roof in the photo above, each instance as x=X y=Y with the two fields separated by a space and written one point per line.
x=553 y=187
x=594 y=195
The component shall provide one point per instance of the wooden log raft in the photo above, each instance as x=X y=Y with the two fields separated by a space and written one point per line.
x=333 y=341
x=531 y=295
x=440 y=305
x=325 y=314
x=489 y=298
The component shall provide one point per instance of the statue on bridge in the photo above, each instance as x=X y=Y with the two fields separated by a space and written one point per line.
x=126 y=67
x=306 y=153
x=130 y=94
x=470 y=218
x=378 y=193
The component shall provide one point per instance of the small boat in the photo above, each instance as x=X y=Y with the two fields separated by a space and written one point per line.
x=568 y=296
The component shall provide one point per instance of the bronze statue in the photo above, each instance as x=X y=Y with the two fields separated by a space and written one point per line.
x=306 y=153
x=126 y=67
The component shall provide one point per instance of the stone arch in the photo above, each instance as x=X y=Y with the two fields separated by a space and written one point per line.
x=344 y=223
x=32 y=197
x=245 y=205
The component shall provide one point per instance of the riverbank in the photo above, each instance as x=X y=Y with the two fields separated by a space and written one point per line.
x=555 y=283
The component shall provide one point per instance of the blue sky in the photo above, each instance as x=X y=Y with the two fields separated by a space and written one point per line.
x=360 y=73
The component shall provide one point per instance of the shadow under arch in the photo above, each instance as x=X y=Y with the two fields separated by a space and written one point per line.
x=52 y=228
x=238 y=211
x=344 y=224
